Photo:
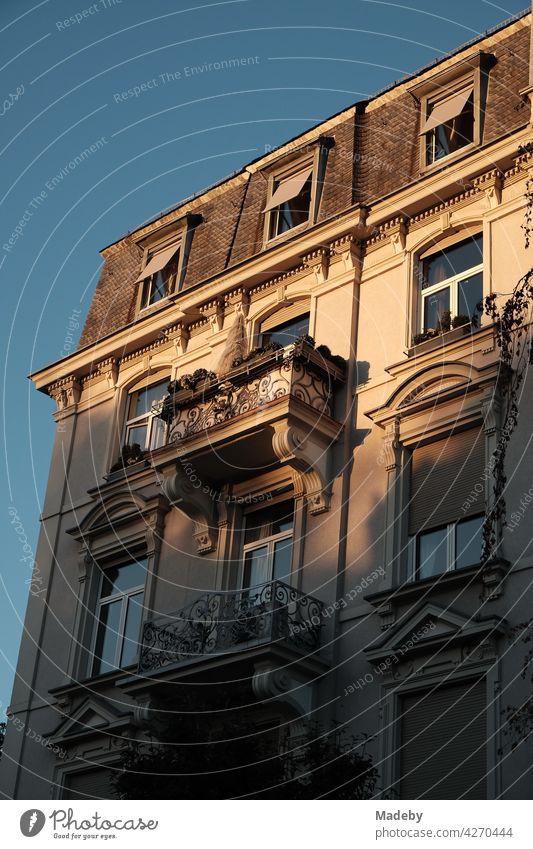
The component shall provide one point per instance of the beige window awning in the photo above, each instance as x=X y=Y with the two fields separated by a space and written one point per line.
x=447 y=111
x=158 y=262
x=289 y=189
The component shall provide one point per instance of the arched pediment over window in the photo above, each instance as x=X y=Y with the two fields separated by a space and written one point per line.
x=430 y=387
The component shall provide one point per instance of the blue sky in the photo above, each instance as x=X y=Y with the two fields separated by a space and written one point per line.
x=135 y=77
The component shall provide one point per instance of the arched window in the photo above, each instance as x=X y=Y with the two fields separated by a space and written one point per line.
x=143 y=425
x=451 y=285
x=286 y=325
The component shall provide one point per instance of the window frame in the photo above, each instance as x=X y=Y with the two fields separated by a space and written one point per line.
x=430 y=103
x=472 y=71
x=268 y=542
x=136 y=421
x=451 y=283
x=413 y=564
x=290 y=167
x=99 y=604
x=180 y=237
x=275 y=328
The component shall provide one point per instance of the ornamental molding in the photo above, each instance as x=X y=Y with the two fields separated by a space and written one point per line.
x=309 y=463
x=318 y=262
x=271 y=683
x=213 y=311
x=392 y=446
x=66 y=393
x=198 y=505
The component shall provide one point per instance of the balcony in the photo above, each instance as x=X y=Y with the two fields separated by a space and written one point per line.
x=258 y=388
x=274 y=411
x=218 y=625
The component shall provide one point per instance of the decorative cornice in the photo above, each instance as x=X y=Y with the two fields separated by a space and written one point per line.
x=66 y=393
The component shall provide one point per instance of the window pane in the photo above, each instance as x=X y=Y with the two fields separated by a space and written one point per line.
x=432 y=553
x=470 y=294
x=453 y=260
x=137 y=436
x=157 y=433
x=130 y=646
x=435 y=306
x=286 y=333
x=451 y=137
x=468 y=542
x=277 y=519
x=119 y=579
x=256 y=567
x=291 y=213
x=148 y=396
x=281 y=570
x=158 y=289
x=107 y=637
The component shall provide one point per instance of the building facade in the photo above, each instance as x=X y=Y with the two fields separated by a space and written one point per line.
x=273 y=455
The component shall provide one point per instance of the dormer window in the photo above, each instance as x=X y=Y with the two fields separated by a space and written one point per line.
x=452 y=109
x=160 y=275
x=290 y=202
x=449 y=123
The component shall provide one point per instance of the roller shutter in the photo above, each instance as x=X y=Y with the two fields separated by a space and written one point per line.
x=443 y=738
x=443 y=475
x=285 y=314
x=89 y=784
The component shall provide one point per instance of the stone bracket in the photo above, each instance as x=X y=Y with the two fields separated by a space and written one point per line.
x=270 y=683
x=309 y=463
x=197 y=505
x=493 y=574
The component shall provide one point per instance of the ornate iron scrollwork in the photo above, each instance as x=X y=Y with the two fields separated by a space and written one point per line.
x=218 y=623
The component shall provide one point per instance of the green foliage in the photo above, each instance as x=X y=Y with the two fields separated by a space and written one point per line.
x=129 y=455
x=238 y=760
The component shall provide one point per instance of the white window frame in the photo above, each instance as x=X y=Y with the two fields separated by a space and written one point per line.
x=100 y=603
x=451 y=283
x=270 y=543
x=431 y=103
x=153 y=246
x=451 y=541
x=291 y=167
x=148 y=417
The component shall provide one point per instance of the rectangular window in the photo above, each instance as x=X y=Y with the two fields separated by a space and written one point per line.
x=268 y=545
x=449 y=123
x=119 y=615
x=447 y=504
x=290 y=202
x=143 y=425
x=287 y=332
x=89 y=784
x=451 y=287
x=159 y=277
x=443 y=735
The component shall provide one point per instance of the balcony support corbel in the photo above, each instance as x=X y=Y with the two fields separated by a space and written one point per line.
x=198 y=505
x=308 y=461
x=270 y=683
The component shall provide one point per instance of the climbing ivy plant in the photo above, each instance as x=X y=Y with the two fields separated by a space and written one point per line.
x=512 y=325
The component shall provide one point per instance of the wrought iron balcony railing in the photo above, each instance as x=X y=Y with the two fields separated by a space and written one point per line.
x=297 y=372
x=225 y=622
